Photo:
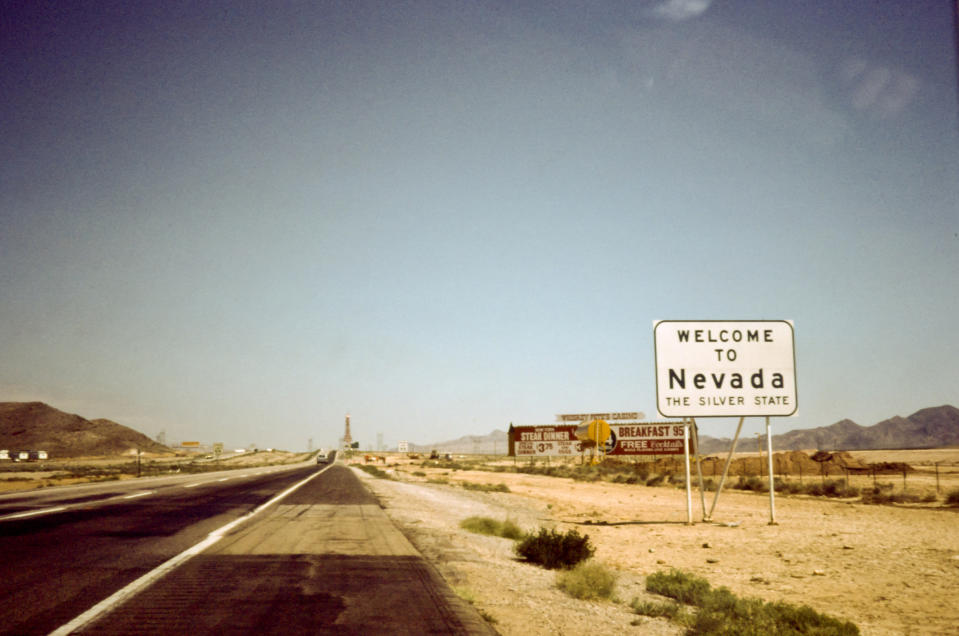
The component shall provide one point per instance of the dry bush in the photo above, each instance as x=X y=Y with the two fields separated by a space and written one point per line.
x=553 y=549
x=587 y=581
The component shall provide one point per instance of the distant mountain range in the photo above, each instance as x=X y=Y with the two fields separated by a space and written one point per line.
x=495 y=443
x=38 y=426
x=934 y=427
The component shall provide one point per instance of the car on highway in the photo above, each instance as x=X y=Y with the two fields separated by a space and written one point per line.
x=328 y=458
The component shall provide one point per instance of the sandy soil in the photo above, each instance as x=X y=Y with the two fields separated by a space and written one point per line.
x=890 y=569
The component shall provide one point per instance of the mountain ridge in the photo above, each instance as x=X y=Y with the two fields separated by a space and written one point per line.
x=931 y=427
x=39 y=426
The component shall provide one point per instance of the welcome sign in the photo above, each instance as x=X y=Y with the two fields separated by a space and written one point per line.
x=725 y=368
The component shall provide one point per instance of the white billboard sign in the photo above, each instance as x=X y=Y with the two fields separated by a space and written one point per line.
x=725 y=368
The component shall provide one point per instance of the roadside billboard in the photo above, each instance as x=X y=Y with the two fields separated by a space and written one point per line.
x=625 y=438
x=645 y=438
x=544 y=441
x=725 y=368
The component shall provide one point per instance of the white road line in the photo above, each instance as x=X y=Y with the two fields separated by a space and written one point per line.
x=139 y=494
x=224 y=479
x=33 y=513
x=194 y=485
x=122 y=595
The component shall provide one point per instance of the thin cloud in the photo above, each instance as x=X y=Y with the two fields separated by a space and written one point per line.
x=679 y=10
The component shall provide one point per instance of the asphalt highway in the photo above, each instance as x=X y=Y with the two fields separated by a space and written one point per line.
x=304 y=549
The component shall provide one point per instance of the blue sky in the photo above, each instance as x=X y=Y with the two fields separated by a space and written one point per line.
x=240 y=221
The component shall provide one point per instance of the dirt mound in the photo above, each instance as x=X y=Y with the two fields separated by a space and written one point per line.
x=38 y=426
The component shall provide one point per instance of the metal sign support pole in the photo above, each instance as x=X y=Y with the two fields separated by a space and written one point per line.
x=699 y=466
x=722 y=480
x=772 y=494
x=689 y=489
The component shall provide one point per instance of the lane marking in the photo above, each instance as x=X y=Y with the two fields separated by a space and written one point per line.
x=104 y=502
x=33 y=513
x=133 y=588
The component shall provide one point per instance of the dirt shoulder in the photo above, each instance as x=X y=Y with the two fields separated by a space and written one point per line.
x=890 y=569
x=517 y=598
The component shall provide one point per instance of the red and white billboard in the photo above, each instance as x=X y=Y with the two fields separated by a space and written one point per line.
x=645 y=438
x=544 y=441
x=625 y=438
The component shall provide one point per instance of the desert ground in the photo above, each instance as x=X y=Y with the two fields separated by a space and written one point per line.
x=891 y=569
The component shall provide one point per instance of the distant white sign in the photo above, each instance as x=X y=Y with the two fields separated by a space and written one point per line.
x=403 y=447
x=717 y=368
x=586 y=417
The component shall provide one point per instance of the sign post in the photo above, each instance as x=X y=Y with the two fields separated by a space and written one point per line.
x=726 y=368
x=769 y=454
x=689 y=490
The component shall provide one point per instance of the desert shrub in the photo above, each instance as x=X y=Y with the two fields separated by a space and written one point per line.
x=876 y=496
x=754 y=484
x=553 y=549
x=485 y=487
x=492 y=527
x=656 y=480
x=838 y=488
x=587 y=581
x=905 y=497
x=419 y=473
x=678 y=585
x=722 y=612
x=880 y=496
x=671 y=610
x=374 y=471
x=952 y=498
x=789 y=487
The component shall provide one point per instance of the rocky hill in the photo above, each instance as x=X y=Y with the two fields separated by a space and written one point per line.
x=933 y=427
x=38 y=426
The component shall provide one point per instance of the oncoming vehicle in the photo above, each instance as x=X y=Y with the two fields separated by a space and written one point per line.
x=329 y=458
